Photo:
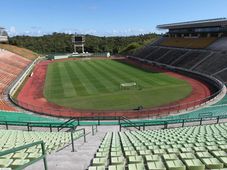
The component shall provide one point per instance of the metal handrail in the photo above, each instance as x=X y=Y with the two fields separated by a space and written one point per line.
x=43 y=156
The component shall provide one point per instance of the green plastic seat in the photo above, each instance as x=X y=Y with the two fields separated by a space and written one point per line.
x=34 y=155
x=152 y=158
x=99 y=161
x=102 y=154
x=219 y=153
x=199 y=149
x=223 y=160
x=170 y=157
x=212 y=163
x=204 y=155
x=4 y=163
x=135 y=159
x=159 y=151
x=145 y=152
x=175 y=165
x=194 y=164
x=96 y=168
x=213 y=148
x=187 y=150
x=173 y=150
x=138 y=166
x=130 y=153
x=116 y=167
x=186 y=156
x=117 y=160
x=18 y=162
x=156 y=166
x=20 y=155
x=116 y=154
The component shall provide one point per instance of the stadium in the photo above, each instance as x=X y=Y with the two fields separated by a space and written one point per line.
x=162 y=107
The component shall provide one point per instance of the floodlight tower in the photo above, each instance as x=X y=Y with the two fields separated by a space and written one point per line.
x=78 y=42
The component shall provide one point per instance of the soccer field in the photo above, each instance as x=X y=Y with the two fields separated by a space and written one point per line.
x=95 y=84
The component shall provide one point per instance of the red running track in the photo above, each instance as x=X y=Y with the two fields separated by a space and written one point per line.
x=31 y=97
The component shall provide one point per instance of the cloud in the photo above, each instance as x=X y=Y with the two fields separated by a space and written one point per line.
x=38 y=31
x=12 y=31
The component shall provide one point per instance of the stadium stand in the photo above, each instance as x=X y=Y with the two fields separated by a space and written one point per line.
x=188 y=42
x=191 y=59
x=14 y=138
x=219 y=45
x=213 y=64
x=25 y=53
x=192 y=148
x=11 y=65
x=158 y=53
x=172 y=56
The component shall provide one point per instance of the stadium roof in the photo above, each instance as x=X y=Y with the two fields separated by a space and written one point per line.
x=195 y=24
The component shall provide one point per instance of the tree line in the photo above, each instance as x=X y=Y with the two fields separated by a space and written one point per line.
x=62 y=43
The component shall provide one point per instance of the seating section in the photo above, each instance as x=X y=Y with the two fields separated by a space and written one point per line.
x=173 y=55
x=222 y=76
x=213 y=64
x=190 y=59
x=191 y=148
x=207 y=62
x=12 y=138
x=188 y=42
x=157 y=54
x=11 y=65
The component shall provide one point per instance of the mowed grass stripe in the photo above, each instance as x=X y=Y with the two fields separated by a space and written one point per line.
x=92 y=77
x=84 y=74
x=55 y=79
x=91 y=89
x=78 y=86
x=113 y=75
x=138 y=73
x=66 y=82
x=112 y=70
x=103 y=76
x=159 y=78
x=115 y=81
x=125 y=75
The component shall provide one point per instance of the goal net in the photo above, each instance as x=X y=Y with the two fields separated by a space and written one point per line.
x=127 y=86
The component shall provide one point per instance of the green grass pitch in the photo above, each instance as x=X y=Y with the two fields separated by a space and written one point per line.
x=95 y=84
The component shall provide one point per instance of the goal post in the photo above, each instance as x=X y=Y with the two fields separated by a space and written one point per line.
x=127 y=86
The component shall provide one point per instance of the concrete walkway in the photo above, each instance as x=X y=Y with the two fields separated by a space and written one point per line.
x=81 y=158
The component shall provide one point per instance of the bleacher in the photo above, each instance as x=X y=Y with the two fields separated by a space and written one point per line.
x=10 y=139
x=191 y=148
x=11 y=65
x=213 y=64
x=190 y=59
x=171 y=56
x=195 y=43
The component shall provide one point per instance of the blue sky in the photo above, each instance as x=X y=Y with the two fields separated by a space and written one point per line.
x=102 y=17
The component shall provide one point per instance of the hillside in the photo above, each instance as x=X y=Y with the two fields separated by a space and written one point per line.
x=62 y=43
x=20 y=51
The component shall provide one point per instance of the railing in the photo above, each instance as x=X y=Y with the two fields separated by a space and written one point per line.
x=30 y=124
x=72 y=137
x=43 y=156
x=66 y=124
x=165 y=123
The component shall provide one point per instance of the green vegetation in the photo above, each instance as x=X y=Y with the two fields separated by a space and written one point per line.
x=62 y=43
x=95 y=84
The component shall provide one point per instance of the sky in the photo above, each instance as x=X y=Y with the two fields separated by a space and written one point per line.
x=102 y=17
